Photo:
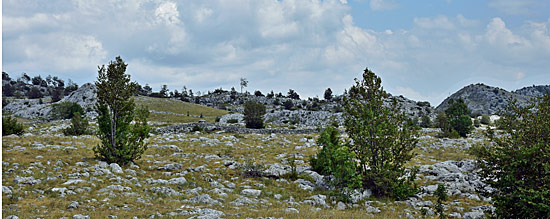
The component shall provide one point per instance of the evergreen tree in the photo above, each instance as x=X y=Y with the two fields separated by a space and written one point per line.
x=383 y=140
x=254 y=114
x=328 y=94
x=459 y=119
x=121 y=141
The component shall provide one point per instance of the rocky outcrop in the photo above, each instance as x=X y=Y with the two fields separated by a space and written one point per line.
x=86 y=96
x=486 y=100
x=34 y=109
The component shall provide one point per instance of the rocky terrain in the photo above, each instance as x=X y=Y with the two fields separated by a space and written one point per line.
x=486 y=100
x=217 y=175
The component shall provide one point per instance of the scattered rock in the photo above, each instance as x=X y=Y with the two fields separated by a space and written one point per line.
x=116 y=168
x=251 y=192
x=292 y=210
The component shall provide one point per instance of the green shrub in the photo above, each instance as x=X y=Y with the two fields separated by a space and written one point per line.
x=485 y=120
x=288 y=104
x=34 y=93
x=79 y=125
x=254 y=114
x=517 y=165
x=459 y=119
x=232 y=121
x=335 y=159
x=11 y=126
x=425 y=122
x=441 y=194
x=477 y=123
x=66 y=110
x=383 y=140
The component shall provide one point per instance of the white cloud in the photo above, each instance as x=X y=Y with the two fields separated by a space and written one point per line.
x=167 y=12
x=56 y=52
x=202 y=14
x=380 y=5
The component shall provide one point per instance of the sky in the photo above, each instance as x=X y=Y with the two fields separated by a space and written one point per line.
x=424 y=50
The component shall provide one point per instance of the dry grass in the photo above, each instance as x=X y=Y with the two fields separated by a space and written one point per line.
x=39 y=201
x=178 y=107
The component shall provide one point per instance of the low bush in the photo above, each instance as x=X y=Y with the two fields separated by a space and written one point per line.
x=232 y=121
x=79 y=126
x=11 y=126
x=335 y=159
x=66 y=110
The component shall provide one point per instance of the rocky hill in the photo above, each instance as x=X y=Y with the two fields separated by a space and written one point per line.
x=488 y=100
x=533 y=91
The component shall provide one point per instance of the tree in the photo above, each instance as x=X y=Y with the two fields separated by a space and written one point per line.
x=258 y=93
x=34 y=93
x=254 y=114
x=328 y=94
x=57 y=94
x=121 y=141
x=164 y=91
x=79 y=125
x=244 y=83
x=383 y=140
x=441 y=194
x=425 y=122
x=459 y=119
x=288 y=104
x=517 y=164
x=293 y=95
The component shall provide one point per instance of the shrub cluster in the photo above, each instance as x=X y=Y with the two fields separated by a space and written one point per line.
x=66 y=110
x=11 y=126
x=79 y=125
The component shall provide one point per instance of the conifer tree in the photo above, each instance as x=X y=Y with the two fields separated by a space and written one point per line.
x=121 y=141
x=382 y=139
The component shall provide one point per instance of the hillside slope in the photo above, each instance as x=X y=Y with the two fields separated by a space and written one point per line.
x=488 y=100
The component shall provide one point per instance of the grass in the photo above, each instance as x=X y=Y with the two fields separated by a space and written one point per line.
x=177 y=107
x=189 y=151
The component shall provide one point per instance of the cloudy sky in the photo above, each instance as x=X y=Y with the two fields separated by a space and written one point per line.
x=424 y=50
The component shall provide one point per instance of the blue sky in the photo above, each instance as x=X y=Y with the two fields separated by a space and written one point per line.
x=424 y=50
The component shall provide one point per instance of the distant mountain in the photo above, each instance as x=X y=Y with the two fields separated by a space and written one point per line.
x=488 y=100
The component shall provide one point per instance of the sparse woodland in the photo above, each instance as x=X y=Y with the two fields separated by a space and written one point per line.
x=366 y=153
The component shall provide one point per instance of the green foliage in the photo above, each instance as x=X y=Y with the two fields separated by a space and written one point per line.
x=425 y=122
x=485 y=120
x=79 y=125
x=121 y=141
x=477 y=123
x=441 y=194
x=293 y=95
x=328 y=94
x=57 y=94
x=34 y=93
x=383 y=140
x=254 y=114
x=11 y=126
x=335 y=159
x=288 y=104
x=232 y=121
x=517 y=165
x=459 y=119
x=66 y=110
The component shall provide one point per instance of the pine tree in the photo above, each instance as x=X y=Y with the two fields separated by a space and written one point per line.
x=382 y=139
x=121 y=141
